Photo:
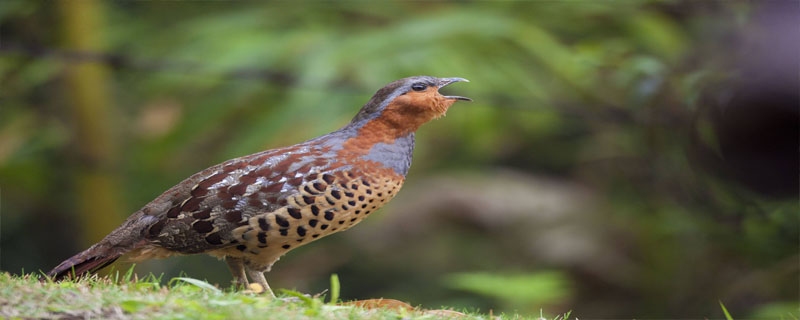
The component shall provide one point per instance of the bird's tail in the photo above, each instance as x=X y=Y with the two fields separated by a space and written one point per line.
x=89 y=261
x=125 y=238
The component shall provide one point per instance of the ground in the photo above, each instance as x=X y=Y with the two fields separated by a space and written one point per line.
x=123 y=296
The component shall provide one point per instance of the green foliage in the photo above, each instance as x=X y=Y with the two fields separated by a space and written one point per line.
x=312 y=304
x=520 y=291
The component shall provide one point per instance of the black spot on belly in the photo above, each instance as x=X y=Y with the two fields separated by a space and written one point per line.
x=330 y=202
x=323 y=227
x=360 y=198
x=328 y=178
x=336 y=194
x=365 y=183
x=315 y=210
x=315 y=236
x=301 y=231
x=309 y=199
x=329 y=215
x=284 y=232
x=241 y=247
x=319 y=186
x=349 y=194
x=294 y=212
x=312 y=223
x=364 y=206
x=262 y=237
x=263 y=224
x=286 y=246
x=341 y=221
x=351 y=202
x=281 y=221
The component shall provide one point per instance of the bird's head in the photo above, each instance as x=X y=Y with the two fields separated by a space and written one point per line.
x=408 y=103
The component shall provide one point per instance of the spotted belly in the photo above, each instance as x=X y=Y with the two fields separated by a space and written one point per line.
x=331 y=203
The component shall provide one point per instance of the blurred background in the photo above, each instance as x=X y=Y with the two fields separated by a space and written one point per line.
x=621 y=159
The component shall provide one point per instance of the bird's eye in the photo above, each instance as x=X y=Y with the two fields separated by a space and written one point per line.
x=418 y=87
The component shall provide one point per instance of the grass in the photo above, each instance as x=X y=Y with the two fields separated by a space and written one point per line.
x=725 y=311
x=127 y=297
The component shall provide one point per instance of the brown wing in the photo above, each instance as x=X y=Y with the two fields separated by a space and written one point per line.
x=224 y=197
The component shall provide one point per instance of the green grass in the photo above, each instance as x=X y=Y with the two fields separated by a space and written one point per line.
x=125 y=297
x=725 y=310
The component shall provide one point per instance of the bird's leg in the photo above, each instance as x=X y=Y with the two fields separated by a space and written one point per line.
x=237 y=269
x=258 y=277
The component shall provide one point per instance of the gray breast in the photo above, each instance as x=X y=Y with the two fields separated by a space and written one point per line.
x=396 y=155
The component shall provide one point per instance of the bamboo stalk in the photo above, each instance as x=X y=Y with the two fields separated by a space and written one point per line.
x=87 y=97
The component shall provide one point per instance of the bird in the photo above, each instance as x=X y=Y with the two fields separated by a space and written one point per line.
x=250 y=211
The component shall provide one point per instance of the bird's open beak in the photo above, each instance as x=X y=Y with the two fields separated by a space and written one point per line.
x=445 y=81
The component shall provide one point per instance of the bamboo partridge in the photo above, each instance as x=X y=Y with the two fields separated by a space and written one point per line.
x=251 y=210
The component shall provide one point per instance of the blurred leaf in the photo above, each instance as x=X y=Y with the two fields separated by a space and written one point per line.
x=658 y=34
x=787 y=310
x=531 y=289
x=133 y=306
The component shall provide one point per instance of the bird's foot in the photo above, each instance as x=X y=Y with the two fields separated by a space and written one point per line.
x=259 y=289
